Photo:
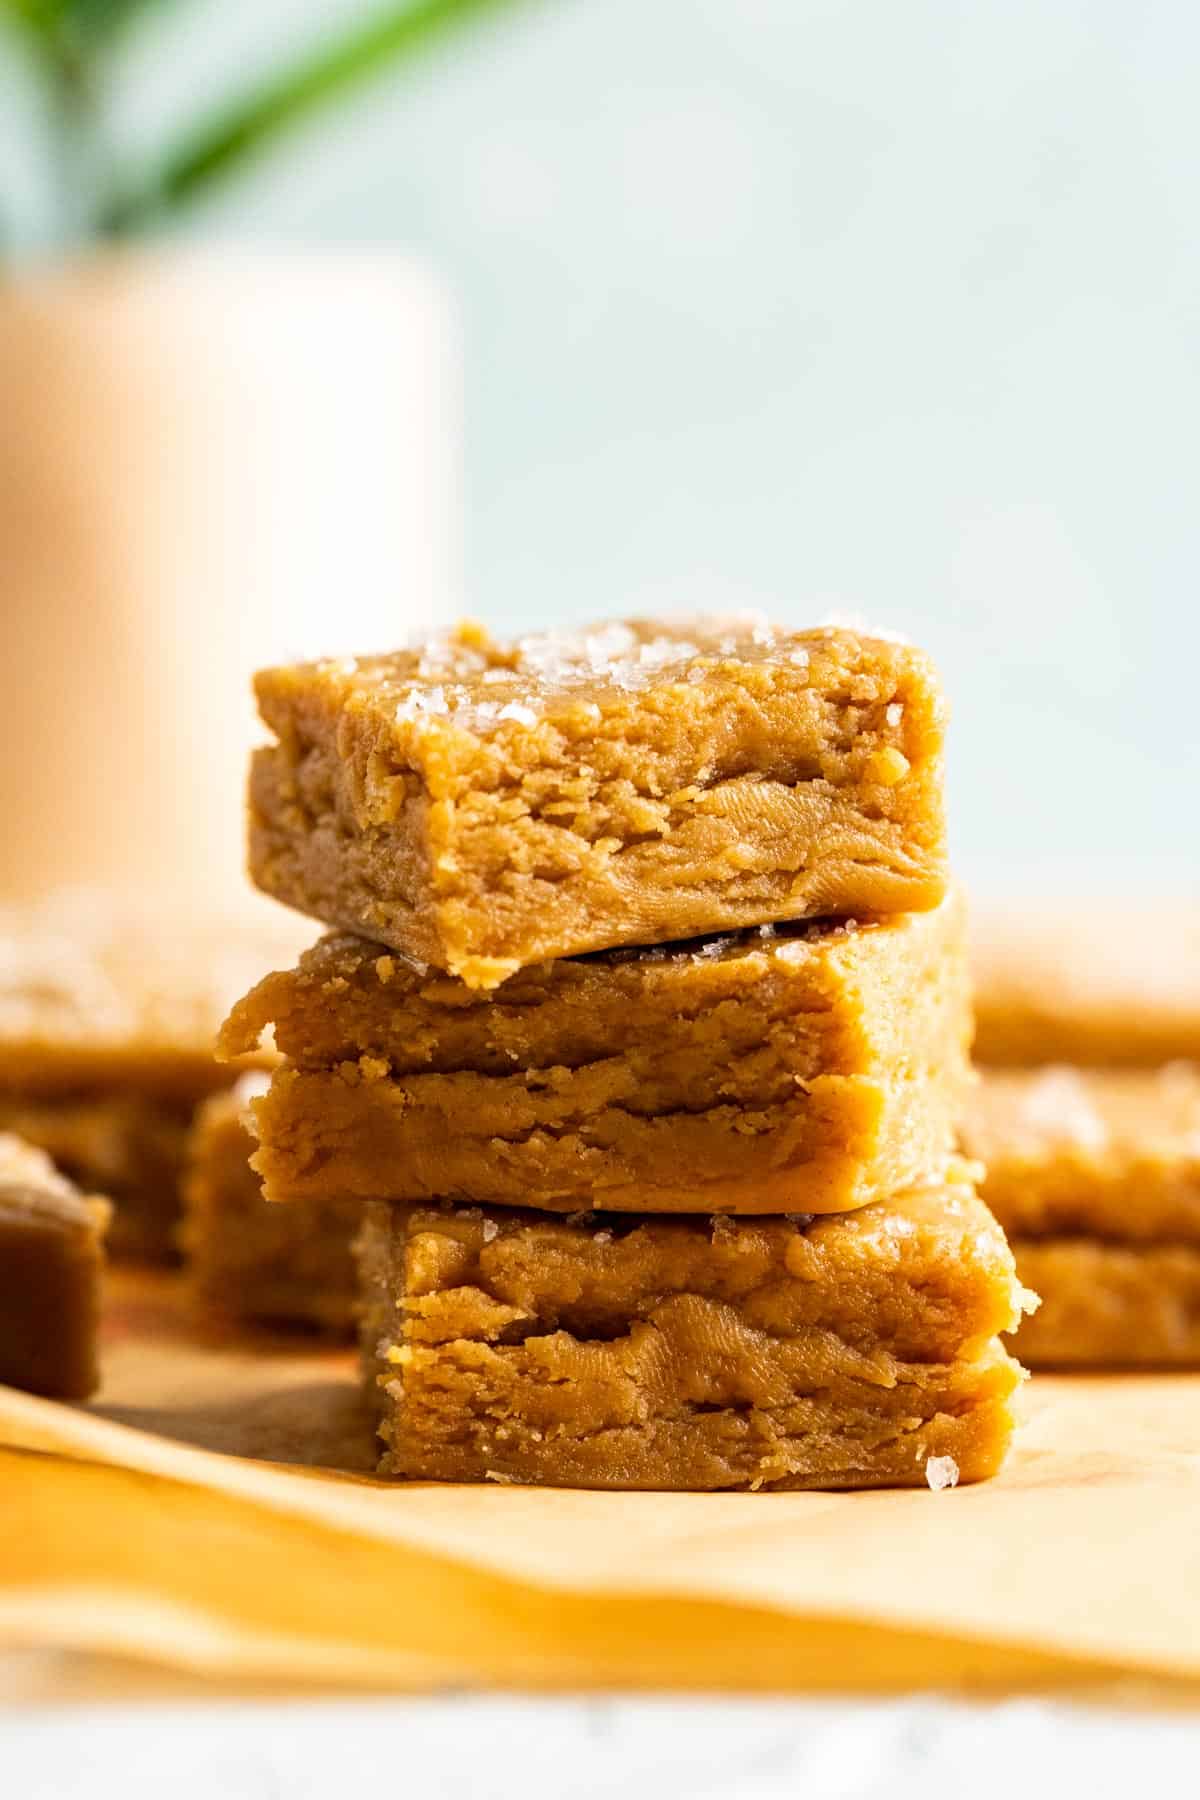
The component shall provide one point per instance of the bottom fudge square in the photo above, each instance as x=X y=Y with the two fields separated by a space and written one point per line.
x=50 y=1266
x=852 y=1351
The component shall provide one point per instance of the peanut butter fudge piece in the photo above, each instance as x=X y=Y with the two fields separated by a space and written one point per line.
x=801 y=1067
x=612 y=1352
x=484 y=806
x=1110 y=1306
x=288 y=1265
x=50 y=1265
x=1085 y=987
x=108 y=1016
x=1095 y=1174
x=1109 y=1154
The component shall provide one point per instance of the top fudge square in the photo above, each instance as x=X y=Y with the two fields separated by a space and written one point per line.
x=481 y=806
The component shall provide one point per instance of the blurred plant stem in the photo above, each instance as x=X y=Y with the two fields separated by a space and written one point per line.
x=72 y=42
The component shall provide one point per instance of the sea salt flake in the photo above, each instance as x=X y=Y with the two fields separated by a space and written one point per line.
x=941 y=1472
x=799 y=657
x=490 y=1230
x=894 y=713
x=661 y=651
x=418 y=703
x=524 y=715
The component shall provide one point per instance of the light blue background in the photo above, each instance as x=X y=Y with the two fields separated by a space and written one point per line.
x=886 y=306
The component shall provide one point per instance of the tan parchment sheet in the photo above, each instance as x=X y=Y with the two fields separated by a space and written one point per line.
x=213 y=1511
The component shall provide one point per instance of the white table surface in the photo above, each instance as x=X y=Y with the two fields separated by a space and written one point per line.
x=469 y=1748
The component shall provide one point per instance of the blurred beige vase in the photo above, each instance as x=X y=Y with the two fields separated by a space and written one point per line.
x=205 y=464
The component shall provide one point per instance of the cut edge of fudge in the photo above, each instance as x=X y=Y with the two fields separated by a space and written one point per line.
x=484 y=806
x=548 y=1375
x=806 y=1068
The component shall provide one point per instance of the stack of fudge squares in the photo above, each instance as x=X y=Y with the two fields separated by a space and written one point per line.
x=637 y=1049
x=1087 y=1116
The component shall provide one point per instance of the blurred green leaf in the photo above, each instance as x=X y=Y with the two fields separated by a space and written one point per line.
x=396 y=34
x=76 y=21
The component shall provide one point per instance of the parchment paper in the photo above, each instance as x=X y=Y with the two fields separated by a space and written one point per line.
x=213 y=1512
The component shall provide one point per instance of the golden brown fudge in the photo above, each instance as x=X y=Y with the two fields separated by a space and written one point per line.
x=289 y=1265
x=611 y=1352
x=1106 y=988
x=1096 y=1177
x=50 y=1266
x=108 y=1016
x=802 y=1067
x=1110 y=1305
x=484 y=806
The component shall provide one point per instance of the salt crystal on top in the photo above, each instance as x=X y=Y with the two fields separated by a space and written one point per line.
x=524 y=715
x=417 y=704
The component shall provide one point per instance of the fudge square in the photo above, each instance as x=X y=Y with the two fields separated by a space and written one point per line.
x=51 y=1259
x=612 y=1352
x=1098 y=988
x=108 y=1019
x=807 y=1067
x=1095 y=1175
x=274 y=1265
x=482 y=806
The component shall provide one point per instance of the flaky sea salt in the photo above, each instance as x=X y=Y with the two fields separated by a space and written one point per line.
x=941 y=1472
x=894 y=713
x=417 y=704
x=659 y=652
x=524 y=715
x=490 y=1230
x=799 y=657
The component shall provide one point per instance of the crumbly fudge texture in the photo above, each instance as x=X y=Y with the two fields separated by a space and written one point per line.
x=1107 y=1154
x=108 y=1017
x=1098 y=988
x=691 y=1352
x=1110 y=1305
x=50 y=1266
x=483 y=806
x=802 y=1067
x=289 y=1265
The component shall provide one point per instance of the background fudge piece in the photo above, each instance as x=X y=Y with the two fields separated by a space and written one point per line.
x=691 y=1352
x=247 y=1260
x=1085 y=987
x=108 y=1015
x=484 y=806
x=50 y=1266
x=1095 y=1175
x=797 y=1068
